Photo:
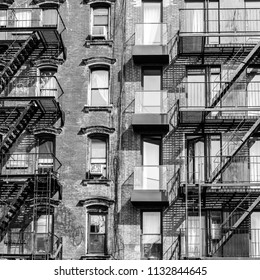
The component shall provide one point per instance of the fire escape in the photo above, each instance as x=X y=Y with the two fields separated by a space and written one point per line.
x=209 y=185
x=29 y=185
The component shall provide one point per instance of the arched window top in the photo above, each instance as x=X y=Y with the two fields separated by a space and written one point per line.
x=98 y=2
x=6 y=3
x=92 y=61
x=48 y=62
x=96 y=130
x=48 y=67
x=96 y=204
x=52 y=131
x=48 y=3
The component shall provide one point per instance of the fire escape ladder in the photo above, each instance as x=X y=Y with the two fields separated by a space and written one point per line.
x=226 y=160
x=18 y=59
x=231 y=230
x=239 y=70
x=14 y=208
x=18 y=127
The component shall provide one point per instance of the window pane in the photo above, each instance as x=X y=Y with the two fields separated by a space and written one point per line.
x=99 y=97
x=99 y=79
x=100 y=20
x=151 y=222
x=99 y=88
x=97 y=224
x=152 y=12
x=98 y=148
x=100 y=11
x=49 y=17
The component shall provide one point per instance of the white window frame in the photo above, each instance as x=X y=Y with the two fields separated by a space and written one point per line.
x=107 y=35
x=91 y=70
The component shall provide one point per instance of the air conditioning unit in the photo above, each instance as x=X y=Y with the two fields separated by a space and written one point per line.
x=97 y=169
x=99 y=32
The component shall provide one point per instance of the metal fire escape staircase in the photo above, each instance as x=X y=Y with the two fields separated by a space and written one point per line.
x=18 y=59
x=235 y=147
x=236 y=75
x=231 y=230
x=19 y=126
x=14 y=207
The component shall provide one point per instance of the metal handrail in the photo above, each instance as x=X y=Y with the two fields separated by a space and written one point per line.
x=34 y=79
x=29 y=160
x=13 y=10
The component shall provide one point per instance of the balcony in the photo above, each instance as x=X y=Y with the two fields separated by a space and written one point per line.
x=194 y=107
x=151 y=111
x=44 y=26
x=242 y=170
x=25 y=164
x=244 y=243
x=151 y=186
x=203 y=28
x=22 y=89
x=151 y=43
x=31 y=19
x=25 y=244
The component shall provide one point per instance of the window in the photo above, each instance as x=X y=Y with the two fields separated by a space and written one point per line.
x=43 y=237
x=151 y=235
x=98 y=157
x=152 y=100
x=46 y=150
x=49 y=17
x=97 y=233
x=203 y=152
x=99 y=92
x=203 y=84
x=48 y=83
x=100 y=23
x=3 y=18
x=151 y=162
x=23 y=18
x=152 y=18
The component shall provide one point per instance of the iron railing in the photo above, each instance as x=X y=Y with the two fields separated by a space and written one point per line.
x=33 y=86
x=31 y=243
x=242 y=95
x=241 y=169
x=29 y=18
x=151 y=102
x=29 y=163
x=223 y=20
x=174 y=250
x=244 y=242
x=151 y=34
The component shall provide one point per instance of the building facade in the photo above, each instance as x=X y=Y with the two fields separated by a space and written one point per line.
x=129 y=129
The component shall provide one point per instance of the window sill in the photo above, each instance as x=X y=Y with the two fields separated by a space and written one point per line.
x=86 y=182
x=90 y=256
x=89 y=43
x=88 y=108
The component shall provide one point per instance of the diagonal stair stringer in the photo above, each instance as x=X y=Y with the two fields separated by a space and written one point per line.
x=243 y=65
x=228 y=235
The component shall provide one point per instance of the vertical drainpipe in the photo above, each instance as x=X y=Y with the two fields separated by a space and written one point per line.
x=116 y=160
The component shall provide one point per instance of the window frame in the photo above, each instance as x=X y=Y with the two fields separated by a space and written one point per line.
x=147 y=136
x=95 y=7
x=89 y=214
x=46 y=163
x=161 y=230
x=41 y=76
x=90 y=89
x=153 y=1
x=104 y=172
